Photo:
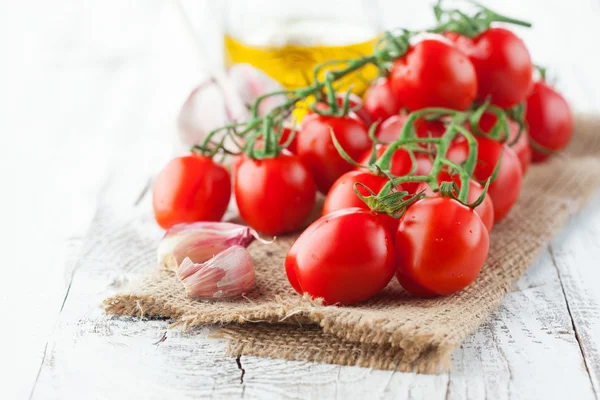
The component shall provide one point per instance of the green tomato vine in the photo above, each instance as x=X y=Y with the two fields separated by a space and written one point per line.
x=259 y=137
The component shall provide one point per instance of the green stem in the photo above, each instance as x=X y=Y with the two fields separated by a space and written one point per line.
x=408 y=130
x=466 y=172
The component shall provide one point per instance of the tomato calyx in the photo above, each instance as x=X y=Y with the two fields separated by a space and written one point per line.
x=393 y=203
x=331 y=102
x=454 y=20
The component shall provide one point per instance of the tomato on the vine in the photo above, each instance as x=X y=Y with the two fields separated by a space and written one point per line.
x=342 y=195
x=380 y=101
x=389 y=130
x=521 y=147
x=505 y=189
x=485 y=210
x=189 y=189
x=434 y=73
x=503 y=65
x=317 y=151
x=344 y=257
x=441 y=246
x=274 y=195
x=549 y=118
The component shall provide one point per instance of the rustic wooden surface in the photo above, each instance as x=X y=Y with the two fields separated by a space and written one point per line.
x=90 y=92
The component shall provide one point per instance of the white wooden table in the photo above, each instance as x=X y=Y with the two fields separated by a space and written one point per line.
x=89 y=96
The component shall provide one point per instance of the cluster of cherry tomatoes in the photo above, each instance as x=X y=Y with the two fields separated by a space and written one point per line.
x=438 y=244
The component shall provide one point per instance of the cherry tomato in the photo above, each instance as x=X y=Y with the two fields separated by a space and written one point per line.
x=317 y=151
x=549 y=119
x=505 y=190
x=344 y=257
x=380 y=101
x=441 y=246
x=503 y=65
x=402 y=164
x=434 y=74
x=274 y=195
x=389 y=130
x=342 y=195
x=355 y=103
x=189 y=189
x=485 y=210
x=521 y=147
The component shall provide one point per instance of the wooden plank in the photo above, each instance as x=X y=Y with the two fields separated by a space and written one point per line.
x=513 y=354
x=527 y=350
x=82 y=104
x=575 y=254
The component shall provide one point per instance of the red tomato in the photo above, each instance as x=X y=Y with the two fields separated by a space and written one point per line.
x=189 y=189
x=274 y=195
x=485 y=210
x=402 y=164
x=434 y=74
x=505 y=190
x=344 y=257
x=380 y=100
x=503 y=65
x=441 y=246
x=342 y=195
x=355 y=103
x=521 y=147
x=389 y=130
x=317 y=151
x=549 y=119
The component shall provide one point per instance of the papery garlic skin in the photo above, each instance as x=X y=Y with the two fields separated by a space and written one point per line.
x=228 y=274
x=200 y=241
x=225 y=98
x=251 y=82
x=203 y=111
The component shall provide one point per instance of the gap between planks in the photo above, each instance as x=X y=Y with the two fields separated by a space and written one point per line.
x=573 y=323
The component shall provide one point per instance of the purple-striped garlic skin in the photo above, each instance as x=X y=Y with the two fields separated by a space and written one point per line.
x=200 y=241
x=227 y=275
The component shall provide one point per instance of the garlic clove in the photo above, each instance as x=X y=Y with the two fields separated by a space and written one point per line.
x=200 y=241
x=228 y=274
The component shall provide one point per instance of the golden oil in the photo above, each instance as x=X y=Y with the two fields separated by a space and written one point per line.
x=289 y=50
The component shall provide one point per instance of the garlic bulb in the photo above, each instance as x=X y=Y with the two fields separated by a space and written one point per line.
x=222 y=99
x=203 y=111
x=228 y=274
x=200 y=241
x=251 y=82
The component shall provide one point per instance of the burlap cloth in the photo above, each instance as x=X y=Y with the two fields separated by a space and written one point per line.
x=392 y=330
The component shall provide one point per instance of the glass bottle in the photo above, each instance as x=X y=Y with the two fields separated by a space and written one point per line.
x=286 y=39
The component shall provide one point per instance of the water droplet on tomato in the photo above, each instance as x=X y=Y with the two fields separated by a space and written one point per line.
x=470 y=230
